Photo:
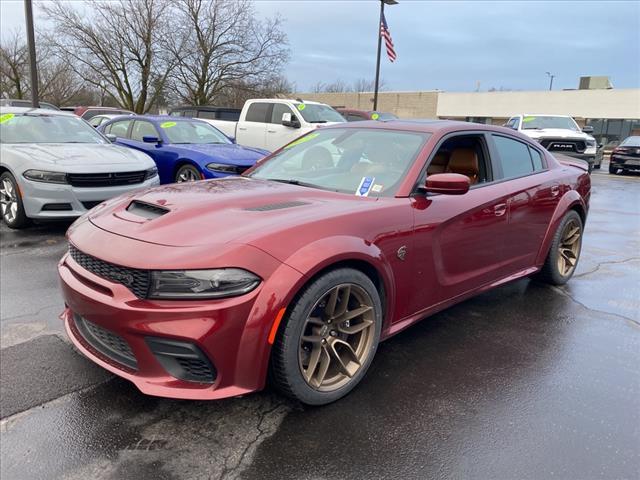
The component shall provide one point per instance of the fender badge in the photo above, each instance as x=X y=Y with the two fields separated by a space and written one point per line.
x=402 y=252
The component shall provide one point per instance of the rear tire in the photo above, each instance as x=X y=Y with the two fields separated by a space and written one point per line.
x=187 y=173
x=597 y=167
x=12 y=212
x=328 y=339
x=612 y=170
x=564 y=253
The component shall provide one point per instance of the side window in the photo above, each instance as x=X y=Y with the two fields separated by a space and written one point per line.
x=465 y=155
x=513 y=123
x=176 y=113
x=231 y=115
x=209 y=115
x=278 y=110
x=119 y=129
x=96 y=121
x=352 y=117
x=143 y=129
x=536 y=158
x=513 y=156
x=258 y=112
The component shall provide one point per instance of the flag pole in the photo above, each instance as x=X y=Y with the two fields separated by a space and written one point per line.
x=375 y=92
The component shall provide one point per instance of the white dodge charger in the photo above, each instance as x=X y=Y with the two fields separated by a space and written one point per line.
x=54 y=165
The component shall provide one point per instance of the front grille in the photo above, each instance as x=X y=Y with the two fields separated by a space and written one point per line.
x=56 y=207
x=134 y=279
x=106 y=342
x=89 y=180
x=563 y=145
x=182 y=360
x=196 y=370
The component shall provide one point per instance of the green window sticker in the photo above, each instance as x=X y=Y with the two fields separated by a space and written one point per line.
x=168 y=124
x=301 y=106
x=375 y=116
x=6 y=117
x=528 y=119
x=304 y=139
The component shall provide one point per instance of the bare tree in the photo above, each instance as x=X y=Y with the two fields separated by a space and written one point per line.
x=120 y=48
x=14 y=64
x=223 y=45
x=235 y=94
x=365 y=85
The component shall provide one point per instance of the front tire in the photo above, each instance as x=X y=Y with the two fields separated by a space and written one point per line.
x=564 y=252
x=329 y=338
x=612 y=170
x=13 y=212
x=187 y=173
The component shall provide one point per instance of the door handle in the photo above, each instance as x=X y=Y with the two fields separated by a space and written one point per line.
x=555 y=190
x=242 y=128
x=500 y=209
x=271 y=131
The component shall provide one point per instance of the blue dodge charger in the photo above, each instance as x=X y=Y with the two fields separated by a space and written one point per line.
x=184 y=149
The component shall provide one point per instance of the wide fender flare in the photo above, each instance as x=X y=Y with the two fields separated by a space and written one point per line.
x=324 y=253
x=568 y=201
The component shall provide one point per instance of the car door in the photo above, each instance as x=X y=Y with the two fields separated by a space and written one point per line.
x=252 y=129
x=533 y=195
x=459 y=239
x=165 y=158
x=278 y=134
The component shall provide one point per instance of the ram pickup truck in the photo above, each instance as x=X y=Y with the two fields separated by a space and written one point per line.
x=559 y=134
x=272 y=123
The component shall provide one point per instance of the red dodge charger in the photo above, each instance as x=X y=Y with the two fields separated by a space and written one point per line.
x=299 y=268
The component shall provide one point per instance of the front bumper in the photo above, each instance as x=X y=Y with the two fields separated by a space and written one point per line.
x=231 y=334
x=69 y=201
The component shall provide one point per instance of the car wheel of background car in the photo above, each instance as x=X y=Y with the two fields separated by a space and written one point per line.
x=597 y=167
x=612 y=170
x=12 y=208
x=187 y=173
x=329 y=338
x=564 y=253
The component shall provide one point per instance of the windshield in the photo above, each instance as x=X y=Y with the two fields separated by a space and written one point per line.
x=184 y=131
x=631 y=142
x=27 y=128
x=538 y=123
x=351 y=160
x=318 y=113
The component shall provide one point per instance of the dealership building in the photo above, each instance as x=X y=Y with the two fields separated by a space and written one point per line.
x=613 y=113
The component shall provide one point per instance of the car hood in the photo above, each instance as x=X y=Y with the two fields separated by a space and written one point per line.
x=557 y=133
x=81 y=157
x=228 y=153
x=228 y=210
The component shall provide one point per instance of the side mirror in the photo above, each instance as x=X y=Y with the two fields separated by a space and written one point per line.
x=587 y=129
x=447 y=184
x=289 y=121
x=111 y=137
x=150 y=139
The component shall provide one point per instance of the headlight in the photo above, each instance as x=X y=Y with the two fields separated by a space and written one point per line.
x=591 y=143
x=43 y=176
x=223 y=168
x=150 y=173
x=185 y=284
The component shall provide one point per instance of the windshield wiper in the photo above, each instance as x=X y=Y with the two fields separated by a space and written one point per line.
x=318 y=121
x=293 y=181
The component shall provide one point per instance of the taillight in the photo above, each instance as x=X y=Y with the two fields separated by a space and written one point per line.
x=620 y=150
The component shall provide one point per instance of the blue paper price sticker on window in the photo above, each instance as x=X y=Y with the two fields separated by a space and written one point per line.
x=365 y=186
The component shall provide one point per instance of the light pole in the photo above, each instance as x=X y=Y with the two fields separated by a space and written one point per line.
x=375 y=91
x=551 y=77
x=31 y=41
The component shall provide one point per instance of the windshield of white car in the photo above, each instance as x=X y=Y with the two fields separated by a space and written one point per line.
x=541 y=122
x=30 y=128
x=186 y=132
x=357 y=161
x=317 y=113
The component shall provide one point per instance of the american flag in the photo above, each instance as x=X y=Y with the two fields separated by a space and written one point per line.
x=388 y=41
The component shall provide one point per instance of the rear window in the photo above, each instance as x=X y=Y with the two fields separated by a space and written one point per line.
x=258 y=112
x=630 y=142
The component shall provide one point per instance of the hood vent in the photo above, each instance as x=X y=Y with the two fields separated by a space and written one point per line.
x=146 y=210
x=276 y=206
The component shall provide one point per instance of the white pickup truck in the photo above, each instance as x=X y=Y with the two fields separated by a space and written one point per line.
x=272 y=123
x=559 y=134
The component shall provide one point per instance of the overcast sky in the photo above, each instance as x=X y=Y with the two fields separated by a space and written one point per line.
x=452 y=45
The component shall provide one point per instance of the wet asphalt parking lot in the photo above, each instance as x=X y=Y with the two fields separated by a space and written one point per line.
x=526 y=381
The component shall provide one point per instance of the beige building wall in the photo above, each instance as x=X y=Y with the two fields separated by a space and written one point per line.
x=582 y=104
x=402 y=104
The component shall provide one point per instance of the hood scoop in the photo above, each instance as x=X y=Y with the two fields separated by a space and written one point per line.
x=146 y=210
x=276 y=206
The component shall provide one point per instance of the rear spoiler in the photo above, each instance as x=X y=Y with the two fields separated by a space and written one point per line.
x=573 y=162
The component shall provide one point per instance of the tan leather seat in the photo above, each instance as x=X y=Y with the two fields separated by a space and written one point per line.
x=465 y=162
x=438 y=164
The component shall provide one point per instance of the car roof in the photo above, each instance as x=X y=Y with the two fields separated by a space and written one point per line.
x=542 y=115
x=424 y=125
x=36 y=111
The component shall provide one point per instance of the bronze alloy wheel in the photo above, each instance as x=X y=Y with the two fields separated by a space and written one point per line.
x=569 y=247
x=337 y=337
